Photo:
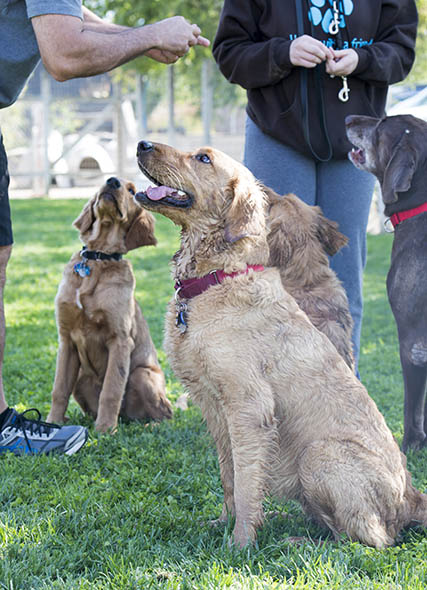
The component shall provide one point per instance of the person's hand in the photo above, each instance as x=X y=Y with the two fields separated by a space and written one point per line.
x=173 y=38
x=307 y=52
x=343 y=63
x=162 y=56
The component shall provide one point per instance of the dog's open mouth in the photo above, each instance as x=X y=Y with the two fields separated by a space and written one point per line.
x=357 y=156
x=165 y=195
x=161 y=193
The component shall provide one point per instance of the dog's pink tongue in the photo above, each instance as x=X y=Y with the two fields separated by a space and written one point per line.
x=156 y=193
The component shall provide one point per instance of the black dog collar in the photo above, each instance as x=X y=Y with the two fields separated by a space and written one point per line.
x=97 y=255
x=83 y=270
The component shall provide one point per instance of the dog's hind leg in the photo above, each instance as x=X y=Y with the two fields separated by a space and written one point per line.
x=415 y=417
x=145 y=396
x=419 y=512
x=349 y=493
x=86 y=393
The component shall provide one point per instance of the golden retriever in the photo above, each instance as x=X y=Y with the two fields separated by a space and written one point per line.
x=300 y=238
x=287 y=414
x=106 y=357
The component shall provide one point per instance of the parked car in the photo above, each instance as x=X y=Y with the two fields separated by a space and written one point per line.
x=415 y=105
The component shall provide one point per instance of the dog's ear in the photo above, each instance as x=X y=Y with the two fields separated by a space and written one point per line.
x=141 y=231
x=399 y=171
x=242 y=219
x=86 y=218
x=272 y=196
x=328 y=234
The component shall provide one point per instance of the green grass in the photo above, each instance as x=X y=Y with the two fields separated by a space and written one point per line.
x=129 y=511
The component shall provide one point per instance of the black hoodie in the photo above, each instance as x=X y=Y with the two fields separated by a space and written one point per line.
x=252 y=45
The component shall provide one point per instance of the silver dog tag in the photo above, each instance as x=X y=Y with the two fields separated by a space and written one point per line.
x=181 y=317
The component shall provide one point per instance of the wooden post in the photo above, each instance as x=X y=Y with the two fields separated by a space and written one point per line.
x=171 y=101
x=118 y=130
x=207 y=100
x=141 y=106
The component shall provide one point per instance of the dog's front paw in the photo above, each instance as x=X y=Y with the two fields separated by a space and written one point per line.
x=105 y=427
x=217 y=522
x=414 y=440
x=56 y=418
x=243 y=535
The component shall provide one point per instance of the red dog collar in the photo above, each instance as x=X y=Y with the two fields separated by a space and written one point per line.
x=189 y=288
x=396 y=218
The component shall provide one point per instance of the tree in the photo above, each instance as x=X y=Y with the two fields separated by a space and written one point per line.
x=418 y=74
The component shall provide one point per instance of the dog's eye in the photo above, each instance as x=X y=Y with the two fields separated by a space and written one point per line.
x=203 y=158
x=132 y=192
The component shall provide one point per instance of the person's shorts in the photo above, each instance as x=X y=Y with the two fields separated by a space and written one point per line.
x=6 y=236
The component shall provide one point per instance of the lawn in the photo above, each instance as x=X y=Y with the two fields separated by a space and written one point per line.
x=130 y=511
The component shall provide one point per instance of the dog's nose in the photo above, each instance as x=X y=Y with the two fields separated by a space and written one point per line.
x=144 y=146
x=113 y=182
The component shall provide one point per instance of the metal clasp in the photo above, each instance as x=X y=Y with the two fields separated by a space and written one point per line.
x=213 y=272
x=177 y=294
x=344 y=93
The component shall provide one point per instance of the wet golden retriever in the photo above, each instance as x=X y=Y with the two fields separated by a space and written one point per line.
x=106 y=357
x=300 y=238
x=287 y=414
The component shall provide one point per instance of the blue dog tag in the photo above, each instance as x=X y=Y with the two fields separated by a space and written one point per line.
x=81 y=269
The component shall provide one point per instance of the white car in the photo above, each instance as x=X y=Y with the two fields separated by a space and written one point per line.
x=415 y=105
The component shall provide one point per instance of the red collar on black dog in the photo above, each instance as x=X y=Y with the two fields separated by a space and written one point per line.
x=396 y=218
x=189 y=288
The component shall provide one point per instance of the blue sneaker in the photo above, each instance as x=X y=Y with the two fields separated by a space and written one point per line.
x=23 y=436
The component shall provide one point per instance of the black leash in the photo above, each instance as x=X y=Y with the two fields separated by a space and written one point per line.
x=304 y=97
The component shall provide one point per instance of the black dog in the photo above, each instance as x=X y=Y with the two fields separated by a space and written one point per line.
x=395 y=150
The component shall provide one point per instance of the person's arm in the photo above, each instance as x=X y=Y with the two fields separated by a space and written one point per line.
x=391 y=55
x=72 y=48
x=92 y=21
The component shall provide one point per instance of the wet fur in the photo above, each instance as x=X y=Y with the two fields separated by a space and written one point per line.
x=300 y=239
x=287 y=414
x=106 y=357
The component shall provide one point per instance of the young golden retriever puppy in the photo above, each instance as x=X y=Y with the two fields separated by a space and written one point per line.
x=106 y=357
x=287 y=414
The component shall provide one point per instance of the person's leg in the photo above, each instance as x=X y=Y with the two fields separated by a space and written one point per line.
x=344 y=194
x=4 y=257
x=19 y=434
x=6 y=240
x=279 y=166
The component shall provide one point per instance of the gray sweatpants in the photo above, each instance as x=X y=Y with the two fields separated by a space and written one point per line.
x=343 y=192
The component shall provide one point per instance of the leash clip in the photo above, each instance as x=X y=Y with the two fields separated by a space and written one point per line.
x=344 y=93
